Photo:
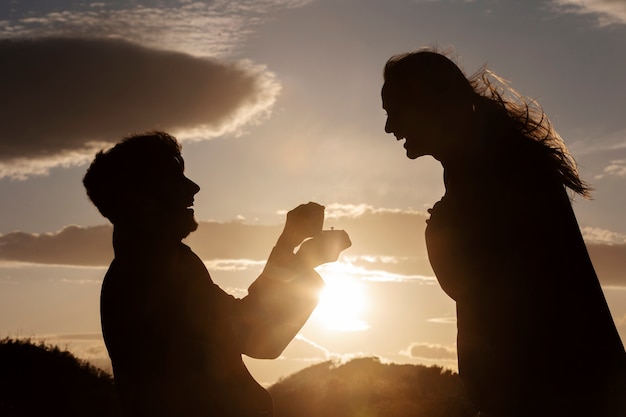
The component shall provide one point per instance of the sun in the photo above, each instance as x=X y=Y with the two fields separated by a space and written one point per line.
x=343 y=301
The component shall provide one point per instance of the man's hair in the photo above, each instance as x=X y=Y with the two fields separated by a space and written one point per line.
x=129 y=170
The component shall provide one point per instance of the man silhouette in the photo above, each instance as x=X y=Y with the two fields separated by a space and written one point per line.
x=174 y=337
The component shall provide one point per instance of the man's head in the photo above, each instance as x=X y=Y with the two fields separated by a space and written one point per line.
x=141 y=181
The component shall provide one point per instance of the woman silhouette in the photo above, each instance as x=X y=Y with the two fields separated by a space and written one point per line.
x=535 y=335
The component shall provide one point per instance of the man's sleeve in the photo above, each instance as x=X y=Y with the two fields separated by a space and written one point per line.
x=278 y=304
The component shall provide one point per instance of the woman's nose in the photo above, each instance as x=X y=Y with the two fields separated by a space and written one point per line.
x=388 y=127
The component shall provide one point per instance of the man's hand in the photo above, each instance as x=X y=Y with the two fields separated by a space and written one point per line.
x=303 y=222
x=323 y=248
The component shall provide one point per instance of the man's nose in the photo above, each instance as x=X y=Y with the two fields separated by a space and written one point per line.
x=193 y=187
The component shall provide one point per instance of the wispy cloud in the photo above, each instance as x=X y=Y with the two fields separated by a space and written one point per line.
x=336 y=211
x=308 y=350
x=617 y=168
x=233 y=264
x=414 y=268
x=443 y=320
x=602 y=236
x=305 y=348
x=607 y=150
x=347 y=268
x=595 y=140
x=608 y=12
x=216 y=28
x=64 y=97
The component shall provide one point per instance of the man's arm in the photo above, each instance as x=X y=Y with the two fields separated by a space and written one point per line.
x=281 y=300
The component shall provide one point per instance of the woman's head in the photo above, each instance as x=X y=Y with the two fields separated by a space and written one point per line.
x=427 y=98
x=426 y=73
x=441 y=112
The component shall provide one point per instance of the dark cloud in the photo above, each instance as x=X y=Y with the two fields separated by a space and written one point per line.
x=386 y=241
x=91 y=246
x=384 y=233
x=371 y=233
x=609 y=262
x=429 y=351
x=73 y=245
x=63 y=96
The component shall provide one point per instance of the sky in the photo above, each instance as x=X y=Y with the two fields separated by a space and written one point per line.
x=276 y=103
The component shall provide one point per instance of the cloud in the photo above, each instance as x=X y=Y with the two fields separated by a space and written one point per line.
x=21 y=167
x=337 y=211
x=608 y=12
x=391 y=268
x=602 y=236
x=607 y=251
x=302 y=348
x=430 y=351
x=63 y=98
x=401 y=270
x=606 y=152
x=380 y=232
x=73 y=245
x=609 y=262
x=616 y=168
x=443 y=320
x=388 y=246
x=232 y=264
x=598 y=147
x=215 y=28
x=91 y=246
x=378 y=237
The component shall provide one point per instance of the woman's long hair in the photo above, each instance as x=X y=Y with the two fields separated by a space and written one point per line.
x=431 y=71
x=527 y=118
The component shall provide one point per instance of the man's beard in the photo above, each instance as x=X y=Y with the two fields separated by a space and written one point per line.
x=185 y=223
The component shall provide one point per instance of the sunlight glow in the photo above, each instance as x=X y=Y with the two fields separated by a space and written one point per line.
x=343 y=301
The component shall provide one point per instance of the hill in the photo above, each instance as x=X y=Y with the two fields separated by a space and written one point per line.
x=41 y=380
x=366 y=387
x=37 y=379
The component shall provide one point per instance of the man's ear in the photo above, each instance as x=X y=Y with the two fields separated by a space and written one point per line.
x=143 y=204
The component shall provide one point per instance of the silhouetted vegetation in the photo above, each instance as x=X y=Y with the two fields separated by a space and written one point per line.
x=37 y=380
x=42 y=380
x=367 y=387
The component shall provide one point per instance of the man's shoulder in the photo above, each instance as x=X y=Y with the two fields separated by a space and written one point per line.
x=151 y=268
